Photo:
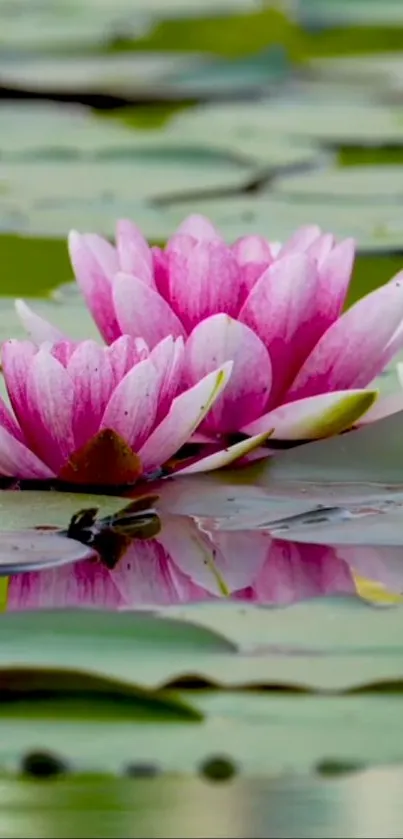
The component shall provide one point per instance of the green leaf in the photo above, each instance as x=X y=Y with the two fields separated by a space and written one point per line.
x=35 y=508
x=259 y=734
x=52 y=197
x=62 y=695
x=318 y=645
x=376 y=227
x=369 y=455
x=355 y=184
x=305 y=119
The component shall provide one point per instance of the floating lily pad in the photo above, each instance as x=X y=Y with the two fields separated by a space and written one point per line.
x=141 y=75
x=376 y=227
x=324 y=644
x=121 y=74
x=354 y=184
x=237 y=133
x=332 y=123
x=348 y=12
x=352 y=731
x=37 y=508
x=32 y=26
x=51 y=198
x=379 y=73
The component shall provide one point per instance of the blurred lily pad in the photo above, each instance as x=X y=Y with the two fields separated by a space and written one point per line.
x=345 y=12
x=379 y=73
x=369 y=455
x=37 y=508
x=51 y=198
x=126 y=75
x=332 y=123
x=237 y=725
x=355 y=184
x=237 y=135
x=376 y=227
x=327 y=644
x=73 y=24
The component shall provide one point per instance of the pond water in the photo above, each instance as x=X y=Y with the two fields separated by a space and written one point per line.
x=243 y=625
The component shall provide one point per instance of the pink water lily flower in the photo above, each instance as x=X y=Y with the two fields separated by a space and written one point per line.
x=98 y=415
x=301 y=366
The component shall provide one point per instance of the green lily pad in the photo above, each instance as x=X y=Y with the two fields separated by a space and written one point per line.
x=351 y=730
x=49 y=508
x=121 y=74
x=302 y=118
x=46 y=130
x=84 y=23
x=373 y=454
x=351 y=12
x=355 y=184
x=45 y=198
x=376 y=227
x=240 y=131
x=381 y=73
x=334 y=645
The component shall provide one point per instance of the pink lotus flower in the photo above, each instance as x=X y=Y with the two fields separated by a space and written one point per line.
x=100 y=415
x=300 y=366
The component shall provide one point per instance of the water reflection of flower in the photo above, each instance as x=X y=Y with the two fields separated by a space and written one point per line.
x=188 y=563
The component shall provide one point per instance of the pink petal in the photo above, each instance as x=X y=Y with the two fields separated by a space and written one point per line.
x=83 y=585
x=321 y=248
x=335 y=274
x=200 y=228
x=144 y=575
x=231 y=454
x=142 y=312
x=214 y=341
x=63 y=351
x=185 y=414
x=297 y=572
x=314 y=417
x=283 y=310
x=95 y=262
x=168 y=360
x=91 y=372
x=48 y=423
x=253 y=255
x=8 y=422
x=301 y=240
x=134 y=252
x=203 y=282
x=16 y=359
x=17 y=461
x=215 y=560
x=38 y=329
x=349 y=354
x=124 y=353
x=160 y=267
x=252 y=249
x=132 y=408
